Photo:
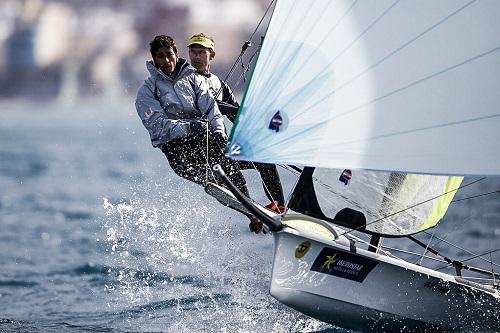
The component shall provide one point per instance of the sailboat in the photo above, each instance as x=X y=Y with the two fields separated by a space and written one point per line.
x=384 y=105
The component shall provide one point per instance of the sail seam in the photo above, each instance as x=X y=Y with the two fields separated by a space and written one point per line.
x=409 y=42
x=276 y=74
x=328 y=33
x=414 y=83
x=382 y=136
x=350 y=44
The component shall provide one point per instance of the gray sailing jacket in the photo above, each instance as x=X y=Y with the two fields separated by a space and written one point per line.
x=168 y=106
x=226 y=101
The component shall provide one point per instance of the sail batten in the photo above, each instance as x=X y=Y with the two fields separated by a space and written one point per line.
x=377 y=85
x=411 y=84
x=402 y=46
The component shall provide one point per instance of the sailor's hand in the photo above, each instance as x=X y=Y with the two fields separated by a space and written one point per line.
x=220 y=139
x=198 y=127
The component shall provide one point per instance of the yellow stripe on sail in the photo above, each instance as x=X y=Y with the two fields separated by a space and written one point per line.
x=450 y=189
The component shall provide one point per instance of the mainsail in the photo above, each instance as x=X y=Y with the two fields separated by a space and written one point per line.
x=405 y=86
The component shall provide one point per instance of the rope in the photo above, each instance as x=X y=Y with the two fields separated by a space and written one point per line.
x=477 y=196
x=427 y=247
x=471 y=258
x=479 y=256
x=250 y=61
x=207 y=165
x=243 y=49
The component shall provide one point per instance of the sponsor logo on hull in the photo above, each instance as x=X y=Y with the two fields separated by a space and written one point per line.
x=302 y=249
x=343 y=264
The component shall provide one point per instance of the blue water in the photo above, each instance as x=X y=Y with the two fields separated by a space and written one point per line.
x=98 y=235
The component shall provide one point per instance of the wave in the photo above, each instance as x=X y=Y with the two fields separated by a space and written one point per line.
x=21 y=165
x=11 y=325
x=184 y=302
x=17 y=283
x=145 y=277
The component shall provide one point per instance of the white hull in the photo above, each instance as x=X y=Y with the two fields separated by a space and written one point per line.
x=368 y=291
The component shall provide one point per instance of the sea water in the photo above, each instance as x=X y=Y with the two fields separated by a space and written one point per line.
x=97 y=234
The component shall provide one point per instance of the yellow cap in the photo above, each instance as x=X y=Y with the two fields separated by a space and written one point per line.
x=203 y=40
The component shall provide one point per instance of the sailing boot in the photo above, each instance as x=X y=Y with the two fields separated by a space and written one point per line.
x=275 y=207
x=257 y=226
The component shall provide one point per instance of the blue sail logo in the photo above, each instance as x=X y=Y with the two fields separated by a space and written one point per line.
x=278 y=121
x=346 y=176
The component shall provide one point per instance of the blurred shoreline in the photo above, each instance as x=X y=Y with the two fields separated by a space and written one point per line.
x=69 y=51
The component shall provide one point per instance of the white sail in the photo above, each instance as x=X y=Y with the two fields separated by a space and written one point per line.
x=394 y=204
x=409 y=86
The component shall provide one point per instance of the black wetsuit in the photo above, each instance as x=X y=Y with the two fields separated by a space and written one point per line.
x=188 y=158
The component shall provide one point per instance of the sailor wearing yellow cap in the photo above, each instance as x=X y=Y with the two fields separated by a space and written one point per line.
x=201 y=53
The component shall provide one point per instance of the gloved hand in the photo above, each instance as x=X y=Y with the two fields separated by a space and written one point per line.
x=198 y=127
x=220 y=139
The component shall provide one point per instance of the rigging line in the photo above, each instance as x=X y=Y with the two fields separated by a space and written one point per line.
x=465 y=250
x=410 y=85
x=207 y=161
x=471 y=258
x=408 y=208
x=428 y=244
x=413 y=253
x=262 y=19
x=483 y=280
x=492 y=270
x=250 y=61
x=207 y=165
x=243 y=70
x=357 y=239
x=240 y=57
x=476 y=196
x=255 y=31
x=296 y=170
x=457 y=264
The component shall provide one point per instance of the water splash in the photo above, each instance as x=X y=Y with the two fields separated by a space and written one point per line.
x=187 y=264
